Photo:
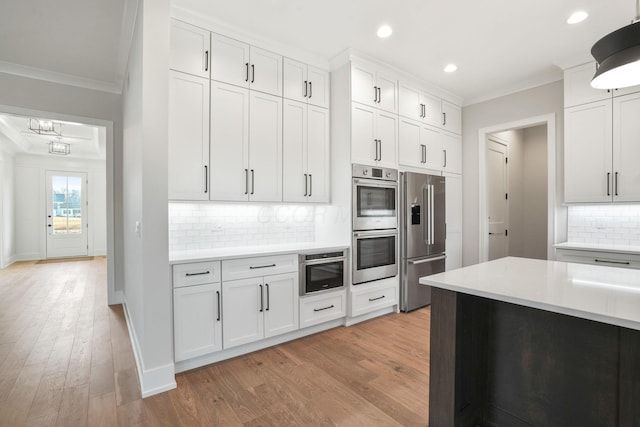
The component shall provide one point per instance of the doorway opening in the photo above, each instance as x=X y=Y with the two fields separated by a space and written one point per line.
x=517 y=189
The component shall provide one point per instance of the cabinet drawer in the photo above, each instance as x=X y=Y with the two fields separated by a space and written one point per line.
x=196 y=273
x=244 y=268
x=373 y=298
x=609 y=259
x=322 y=308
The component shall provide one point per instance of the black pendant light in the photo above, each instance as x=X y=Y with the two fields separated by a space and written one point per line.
x=618 y=57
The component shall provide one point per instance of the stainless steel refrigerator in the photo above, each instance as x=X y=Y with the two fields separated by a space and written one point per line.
x=422 y=235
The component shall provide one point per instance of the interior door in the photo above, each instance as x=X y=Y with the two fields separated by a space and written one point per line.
x=498 y=203
x=66 y=219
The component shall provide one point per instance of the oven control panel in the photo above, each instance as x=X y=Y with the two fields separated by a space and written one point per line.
x=372 y=172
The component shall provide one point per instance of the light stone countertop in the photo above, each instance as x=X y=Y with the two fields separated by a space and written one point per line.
x=604 y=294
x=601 y=247
x=197 y=255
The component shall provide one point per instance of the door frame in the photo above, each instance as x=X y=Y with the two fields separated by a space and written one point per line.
x=483 y=135
x=113 y=296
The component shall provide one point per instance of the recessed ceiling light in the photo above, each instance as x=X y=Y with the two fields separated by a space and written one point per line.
x=384 y=31
x=450 y=68
x=577 y=17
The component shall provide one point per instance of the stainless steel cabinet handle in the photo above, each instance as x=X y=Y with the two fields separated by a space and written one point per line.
x=246 y=66
x=306 y=185
x=253 y=181
x=310 y=184
x=423 y=153
x=206 y=60
x=380 y=150
x=261 y=299
x=310 y=90
x=206 y=179
x=608 y=181
x=613 y=262
x=375 y=141
x=218 y=295
x=376 y=299
x=379 y=95
x=444 y=119
x=261 y=266
x=253 y=73
x=445 y=158
x=268 y=299
x=375 y=94
x=423 y=261
x=305 y=88
x=246 y=181
x=615 y=184
x=324 y=308
x=202 y=273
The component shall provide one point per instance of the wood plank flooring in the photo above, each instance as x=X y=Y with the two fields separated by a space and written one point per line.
x=66 y=360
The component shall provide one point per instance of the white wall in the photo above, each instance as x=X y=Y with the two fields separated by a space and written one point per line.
x=30 y=203
x=21 y=93
x=535 y=192
x=7 y=210
x=539 y=101
x=147 y=290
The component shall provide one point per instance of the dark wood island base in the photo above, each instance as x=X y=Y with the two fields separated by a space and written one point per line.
x=500 y=364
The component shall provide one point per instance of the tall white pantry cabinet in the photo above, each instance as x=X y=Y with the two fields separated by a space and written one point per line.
x=230 y=138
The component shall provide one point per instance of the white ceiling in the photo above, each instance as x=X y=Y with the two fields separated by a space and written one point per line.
x=500 y=46
x=87 y=142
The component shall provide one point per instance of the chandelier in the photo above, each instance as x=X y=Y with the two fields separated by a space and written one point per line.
x=45 y=127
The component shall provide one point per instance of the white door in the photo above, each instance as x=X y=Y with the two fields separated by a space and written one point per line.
x=265 y=148
x=189 y=51
x=364 y=146
x=188 y=137
x=280 y=304
x=197 y=321
x=387 y=134
x=318 y=158
x=243 y=311
x=626 y=148
x=266 y=71
x=229 y=172
x=294 y=141
x=229 y=61
x=66 y=214
x=498 y=203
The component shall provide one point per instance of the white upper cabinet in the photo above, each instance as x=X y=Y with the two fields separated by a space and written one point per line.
x=419 y=145
x=188 y=165
x=305 y=83
x=418 y=105
x=626 y=148
x=240 y=64
x=451 y=152
x=588 y=152
x=577 y=86
x=265 y=148
x=373 y=136
x=189 y=49
x=374 y=87
x=451 y=117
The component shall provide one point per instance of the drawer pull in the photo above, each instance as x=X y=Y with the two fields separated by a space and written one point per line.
x=324 y=308
x=612 y=262
x=376 y=299
x=251 y=267
x=197 y=274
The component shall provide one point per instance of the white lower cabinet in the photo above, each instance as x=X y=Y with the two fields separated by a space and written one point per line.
x=595 y=257
x=316 y=309
x=259 y=307
x=368 y=297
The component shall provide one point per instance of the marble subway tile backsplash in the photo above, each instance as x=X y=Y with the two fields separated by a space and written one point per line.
x=214 y=225
x=604 y=224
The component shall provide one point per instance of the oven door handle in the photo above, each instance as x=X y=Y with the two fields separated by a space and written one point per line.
x=375 y=183
x=423 y=261
x=323 y=261
x=373 y=234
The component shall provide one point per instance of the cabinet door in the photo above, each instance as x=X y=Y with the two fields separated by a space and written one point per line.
x=588 y=153
x=451 y=152
x=229 y=142
x=265 y=148
x=229 y=61
x=197 y=321
x=295 y=180
x=363 y=83
x=319 y=81
x=409 y=102
x=626 y=148
x=430 y=138
x=577 y=86
x=453 y=202
x=189 y=50
x=451 y=117
x=364 y=148
x=188 y=137
x=266 y=71
x=281 y=304
x=432 y=110
x=318 y=154
x=454 y=251
x=387 y=133
x=410 y=149
x=295 y=79
x=242 y=311
x=388 y=94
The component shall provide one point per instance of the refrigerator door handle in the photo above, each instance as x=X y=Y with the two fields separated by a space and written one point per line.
x=426 y=226
x=432 y=209
x=423 y=261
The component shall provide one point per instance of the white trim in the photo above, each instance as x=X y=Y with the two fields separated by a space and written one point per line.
x=126 y=37
x=155 y=380
x=510 y=91
x=483 y=133
x=61 y=78
x=386 y=310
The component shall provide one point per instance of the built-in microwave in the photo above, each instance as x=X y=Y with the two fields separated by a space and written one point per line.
x=375 y=198
x=322 y=271
x=375 y=255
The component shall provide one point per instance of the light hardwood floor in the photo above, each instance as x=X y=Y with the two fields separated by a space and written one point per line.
x=66 y=360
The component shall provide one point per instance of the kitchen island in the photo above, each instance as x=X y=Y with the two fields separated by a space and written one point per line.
x=521 y=342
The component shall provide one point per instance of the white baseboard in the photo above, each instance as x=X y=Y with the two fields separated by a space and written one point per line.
x=10 y=260
x=28 y=257
x=154 y=380
x=118 y=298
x=353 y=320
